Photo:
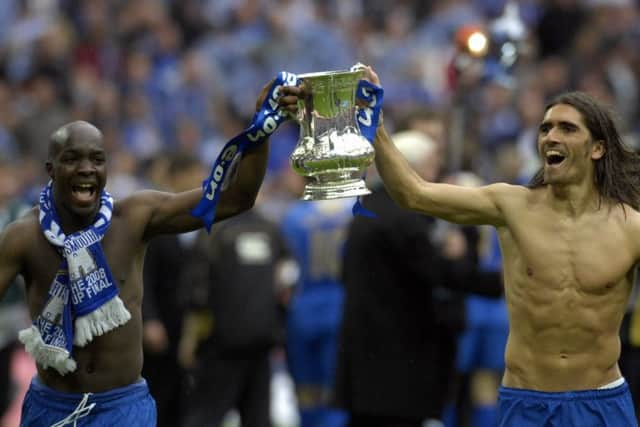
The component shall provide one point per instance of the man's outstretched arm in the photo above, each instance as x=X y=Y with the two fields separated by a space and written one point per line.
x=462 y=205
x=227 y=193
x=454 y=203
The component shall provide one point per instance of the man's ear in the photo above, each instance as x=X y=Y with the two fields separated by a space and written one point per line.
x=49 y=168
x=598 y=150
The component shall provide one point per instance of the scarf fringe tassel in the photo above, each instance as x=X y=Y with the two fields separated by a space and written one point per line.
x=46 y=355
x=100 y=321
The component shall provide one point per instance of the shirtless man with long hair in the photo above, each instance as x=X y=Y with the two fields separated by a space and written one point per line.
x=570 y=244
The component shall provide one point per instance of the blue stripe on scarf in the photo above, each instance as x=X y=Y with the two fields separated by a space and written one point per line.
x=266 y=120
x=368 y=118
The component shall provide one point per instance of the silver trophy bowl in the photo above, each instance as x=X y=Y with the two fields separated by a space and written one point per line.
x=331 y=153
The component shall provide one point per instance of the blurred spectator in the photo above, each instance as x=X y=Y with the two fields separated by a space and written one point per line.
x=630 y=351
x=398 y=336
x=315 y=232
x=166 y=286
x=14 y=314
x=556 y=30
x=239 y=282
x=480 y=357
x=44 y=113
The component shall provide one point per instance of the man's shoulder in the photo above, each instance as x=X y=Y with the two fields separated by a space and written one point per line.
x=130 y=202
x=628 y=215
x=27 y=221
x=510 y=193
x=23 y=230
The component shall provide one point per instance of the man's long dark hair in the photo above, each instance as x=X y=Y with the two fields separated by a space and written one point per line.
x=617 y=173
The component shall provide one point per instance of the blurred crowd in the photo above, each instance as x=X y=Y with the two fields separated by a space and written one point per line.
x=168 y=78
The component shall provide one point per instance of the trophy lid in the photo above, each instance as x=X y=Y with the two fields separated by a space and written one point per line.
x=332 y=73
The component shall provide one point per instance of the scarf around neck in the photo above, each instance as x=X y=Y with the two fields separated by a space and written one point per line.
x=83 y=298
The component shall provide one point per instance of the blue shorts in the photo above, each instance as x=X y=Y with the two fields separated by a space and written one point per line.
x=130 y=406
x=590 y=408
x=482 y=344
x=312 y=335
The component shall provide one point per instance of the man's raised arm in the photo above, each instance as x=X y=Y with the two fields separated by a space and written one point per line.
x=454 y=203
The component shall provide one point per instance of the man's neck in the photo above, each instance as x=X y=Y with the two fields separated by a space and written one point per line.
x=71 y=222
x=574 y=200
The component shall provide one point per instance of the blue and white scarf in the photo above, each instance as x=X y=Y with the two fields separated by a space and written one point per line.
x=83 y=299
x=266 y=120
x=368 y=118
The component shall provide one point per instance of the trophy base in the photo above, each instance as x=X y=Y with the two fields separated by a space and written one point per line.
x=335 y=190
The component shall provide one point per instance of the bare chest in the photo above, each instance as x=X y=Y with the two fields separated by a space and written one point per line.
x=122 y=251
x=589 y=256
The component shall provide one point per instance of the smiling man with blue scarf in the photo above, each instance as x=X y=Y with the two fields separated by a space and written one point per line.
x=81 y=254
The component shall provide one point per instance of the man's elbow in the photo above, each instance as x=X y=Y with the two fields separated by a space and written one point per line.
x=406 y=199
x=246 y=203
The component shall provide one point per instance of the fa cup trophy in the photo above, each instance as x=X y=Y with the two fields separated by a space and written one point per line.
x=331 y=152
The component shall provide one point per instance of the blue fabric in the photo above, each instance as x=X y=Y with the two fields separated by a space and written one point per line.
x=483 y=342
x=312 y=336
x=315 y=234
x=130 y=406
x=484 y=416
x=450 y=415
x=323 y=417
x=264 y=123
x=491 y=260
x=368 y=118
x=589 y=408
x=484 y=339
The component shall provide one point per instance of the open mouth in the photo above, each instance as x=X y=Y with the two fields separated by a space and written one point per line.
x=84 y=193
x=554 y=158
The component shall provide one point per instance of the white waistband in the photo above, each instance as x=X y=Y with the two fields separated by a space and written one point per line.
x=613 y=384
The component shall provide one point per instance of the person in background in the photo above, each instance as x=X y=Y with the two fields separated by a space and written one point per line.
x=165 y=296
x=315 y=232
x=14 y=314
x=400 y=324
x=630 y=351
x=239 y=278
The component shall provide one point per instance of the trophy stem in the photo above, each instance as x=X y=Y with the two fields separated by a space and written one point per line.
x=335 y=190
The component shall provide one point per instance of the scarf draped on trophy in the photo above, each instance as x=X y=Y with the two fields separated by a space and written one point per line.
x=368 y=117
x=83 y=299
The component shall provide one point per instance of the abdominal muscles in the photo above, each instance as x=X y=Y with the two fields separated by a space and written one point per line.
x=562 y=338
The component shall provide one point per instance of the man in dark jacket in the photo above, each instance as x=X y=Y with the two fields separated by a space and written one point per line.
x=167 y=281
x=401 y=319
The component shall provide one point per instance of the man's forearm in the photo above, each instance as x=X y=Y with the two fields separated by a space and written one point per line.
x=245 y=185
